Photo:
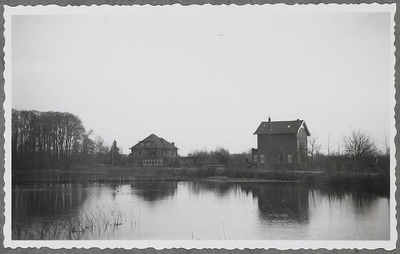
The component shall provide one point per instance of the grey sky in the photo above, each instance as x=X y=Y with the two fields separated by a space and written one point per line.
x=206 y=77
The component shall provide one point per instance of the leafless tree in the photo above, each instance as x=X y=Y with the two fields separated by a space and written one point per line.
x=314 y=148
x=48 y=139
x=387 y=147
x=329 y=145
x=359 y=144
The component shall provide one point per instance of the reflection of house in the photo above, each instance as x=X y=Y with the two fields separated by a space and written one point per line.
x=281 y=143
x=281 y=201
x=154 y=151
x=154 y=190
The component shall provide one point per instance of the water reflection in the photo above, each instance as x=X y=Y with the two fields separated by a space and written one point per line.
x=280 y=201
x=154 y=190
x=220 y=189
x=196 y=210
x=41 y=206
x=39 y=200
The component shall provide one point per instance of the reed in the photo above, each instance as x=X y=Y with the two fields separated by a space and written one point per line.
x=89 y=224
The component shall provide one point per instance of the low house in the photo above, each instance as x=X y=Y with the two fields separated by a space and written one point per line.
x=154 y=151
x=281 y=144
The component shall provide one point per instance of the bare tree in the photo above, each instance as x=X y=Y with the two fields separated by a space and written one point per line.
x=329 y=145
x=387 y=147
x=359 y=144
x=45 y=139
x=315 y=148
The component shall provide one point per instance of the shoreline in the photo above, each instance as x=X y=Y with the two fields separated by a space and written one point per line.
x=111 y=174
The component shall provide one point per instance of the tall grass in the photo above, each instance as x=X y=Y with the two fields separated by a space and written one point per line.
x=89 y=224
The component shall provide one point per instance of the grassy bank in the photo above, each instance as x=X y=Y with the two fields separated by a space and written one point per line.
x=100 y=173
x=108 y=174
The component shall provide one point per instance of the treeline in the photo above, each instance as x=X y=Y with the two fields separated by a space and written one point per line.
x=359 y=155
x=218 y=156
x=49 y=140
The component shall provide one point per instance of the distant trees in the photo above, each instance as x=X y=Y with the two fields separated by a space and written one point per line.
x=219 y=155
x=43 y=140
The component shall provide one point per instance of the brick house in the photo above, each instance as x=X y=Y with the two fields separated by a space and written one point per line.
x=281 y=144
x=154 y=151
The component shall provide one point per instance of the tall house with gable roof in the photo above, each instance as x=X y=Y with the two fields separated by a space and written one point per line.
x=154 y=151
x=281 y=144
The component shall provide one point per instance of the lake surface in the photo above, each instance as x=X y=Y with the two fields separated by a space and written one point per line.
x=166 y=210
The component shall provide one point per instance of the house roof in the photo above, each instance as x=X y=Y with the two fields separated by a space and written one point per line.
x=281 y=127
x=155 y=142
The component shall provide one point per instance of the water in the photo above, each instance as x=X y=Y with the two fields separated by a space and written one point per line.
x=161 y=210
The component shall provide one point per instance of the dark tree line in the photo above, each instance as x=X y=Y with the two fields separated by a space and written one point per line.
x=219 y=155
x=42 y=140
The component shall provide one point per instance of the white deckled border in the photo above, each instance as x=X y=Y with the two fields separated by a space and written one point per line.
x=187 y=244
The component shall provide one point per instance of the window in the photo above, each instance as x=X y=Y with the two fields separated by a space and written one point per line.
x=280 y=158
x=289 y=158
x=141 y=144
x=147 y=143
x=255 y=158
x=261 y=158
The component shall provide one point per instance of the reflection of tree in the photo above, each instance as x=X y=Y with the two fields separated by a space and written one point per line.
x=276 y=201
x=43 y=204
x=358 y=195
x=220 y=189
x=47 y=200
x=154 y=190
x=281 y=201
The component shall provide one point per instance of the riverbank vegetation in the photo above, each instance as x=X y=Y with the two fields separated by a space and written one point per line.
x=370 y=181
x=88 y=224
x=59 y=141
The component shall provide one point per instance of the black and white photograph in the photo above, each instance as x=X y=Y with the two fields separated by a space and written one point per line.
x=215 y=126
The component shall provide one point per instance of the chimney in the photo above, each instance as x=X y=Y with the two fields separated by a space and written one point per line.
x=269 y=123
x=173 y=143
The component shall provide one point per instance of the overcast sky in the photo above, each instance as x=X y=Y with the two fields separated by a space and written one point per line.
x=204 y=76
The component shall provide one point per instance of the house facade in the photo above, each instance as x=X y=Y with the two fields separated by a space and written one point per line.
x=281 y=144
x=154 y=151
